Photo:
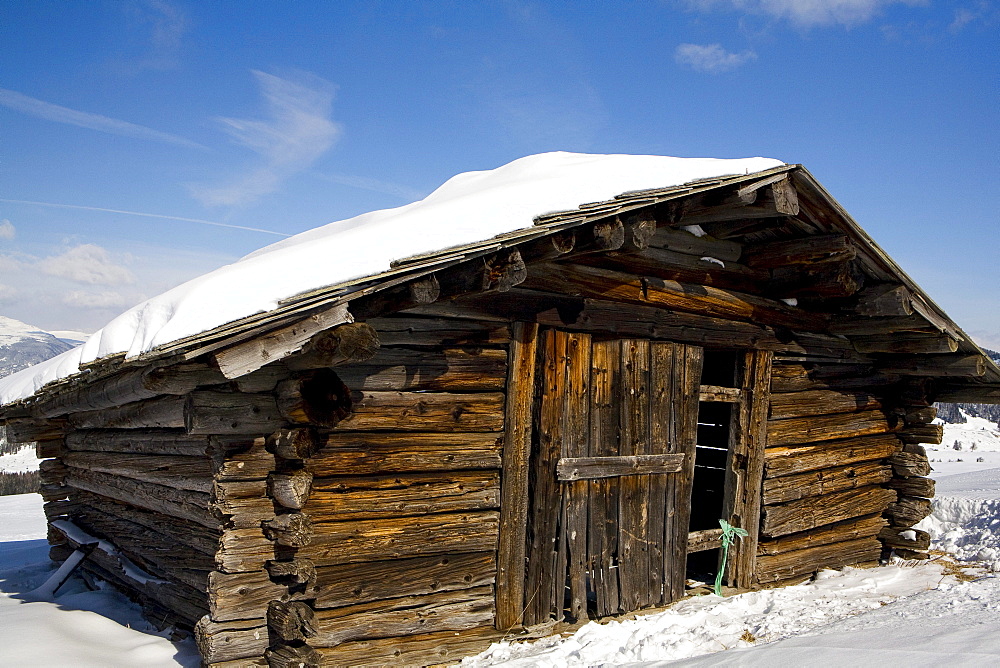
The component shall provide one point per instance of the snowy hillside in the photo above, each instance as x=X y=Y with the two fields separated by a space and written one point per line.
x=22 y=345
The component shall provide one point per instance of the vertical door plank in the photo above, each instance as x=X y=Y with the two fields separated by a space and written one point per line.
x=514 y=486
x=576 y=444
x=539 y=594
x=661 y=487
x=684 y=399
x=604 y=436
x=744 y=478
x=633 y=514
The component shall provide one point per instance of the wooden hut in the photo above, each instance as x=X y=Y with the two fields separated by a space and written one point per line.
x=544 y=426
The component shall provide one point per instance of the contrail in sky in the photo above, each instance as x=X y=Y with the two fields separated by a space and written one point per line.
x=145 y=215
x=83 y=119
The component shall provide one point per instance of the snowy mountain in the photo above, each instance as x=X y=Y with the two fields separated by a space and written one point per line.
x=22 y=345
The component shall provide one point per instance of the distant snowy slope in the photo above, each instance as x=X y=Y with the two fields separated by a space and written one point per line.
x=468 y=208
x=22 y=345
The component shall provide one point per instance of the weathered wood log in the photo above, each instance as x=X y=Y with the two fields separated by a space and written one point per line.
x=914 y=486
x=859 y=325
x=56 y=509
x=548 y=247
x=706 y=539
x=241 y=595
x=190 y=505
x=443 y=647
x=905 y=538
x=885 y=300
x=243 y=503
x=925 y=433
x=832 y=280
x=400 y=495
x=500 y=271
x=29 y=430
x=229 y=641
x=289 y=529
x=790 y=377
x=919 y=415
x=291 y=490
x=55 y=447
x=968 y=393
x=263 y=379
x=122 y=518
x=192 y=473
x=163 y=412
x=824 y=481
x=244 y=550
x=639 y=229
x=147 y=441
x=317 y=397
x=773 y=568
x=907 y=511
x=235 y=459
x=656 y=323
x=683 y=241
x=820 y=402
x=53 y=471
x=675 y=266
x=937 y=365
x=782 y=461
x=349 y=584
x=293 y=656
x=815 y=511
x=53 y=492
x=811 y=251
x=425 y=411
x=207 y=412
x=129 y=386
x=353 y=342
x=778 y=199
x=592 y=468
x=865 y=526
x=902 y=343
x=369 y=453
x=451 y=369
x=296 y=443
x=293 y=620
x=293 y=572
x=512 y=541
x=910 y=464
x=794 y=431
x=604 y=235
x=437 y=331
x=605 y=284
x=243 y=358
x=372 y=540
x=409 y=615
x=416 y=292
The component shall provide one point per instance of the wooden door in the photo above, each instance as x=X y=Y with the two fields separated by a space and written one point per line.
x=610 y=475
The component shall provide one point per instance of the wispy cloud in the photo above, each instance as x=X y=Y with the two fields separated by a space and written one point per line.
x=7 y=230
x=298 y=130
x=979 y=11
x=107 y=299
x=711 y=58
x=808 y=13
x=145 y=215
x=167 y=25
x=7 y=293
x=54 y=112
x=87 y=263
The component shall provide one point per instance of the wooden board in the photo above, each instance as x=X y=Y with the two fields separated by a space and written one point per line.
x=363 y=453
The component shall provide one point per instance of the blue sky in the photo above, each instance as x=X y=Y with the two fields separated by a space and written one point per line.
x=228 y=124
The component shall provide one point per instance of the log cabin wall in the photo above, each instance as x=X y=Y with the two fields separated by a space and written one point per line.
x=363 y=500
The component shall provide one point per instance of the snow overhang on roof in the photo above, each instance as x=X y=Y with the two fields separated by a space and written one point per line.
x=305 y=282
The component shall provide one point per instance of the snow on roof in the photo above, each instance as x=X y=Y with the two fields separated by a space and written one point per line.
x=469 y=207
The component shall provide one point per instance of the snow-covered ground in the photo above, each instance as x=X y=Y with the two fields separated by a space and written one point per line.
x=922 y=614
